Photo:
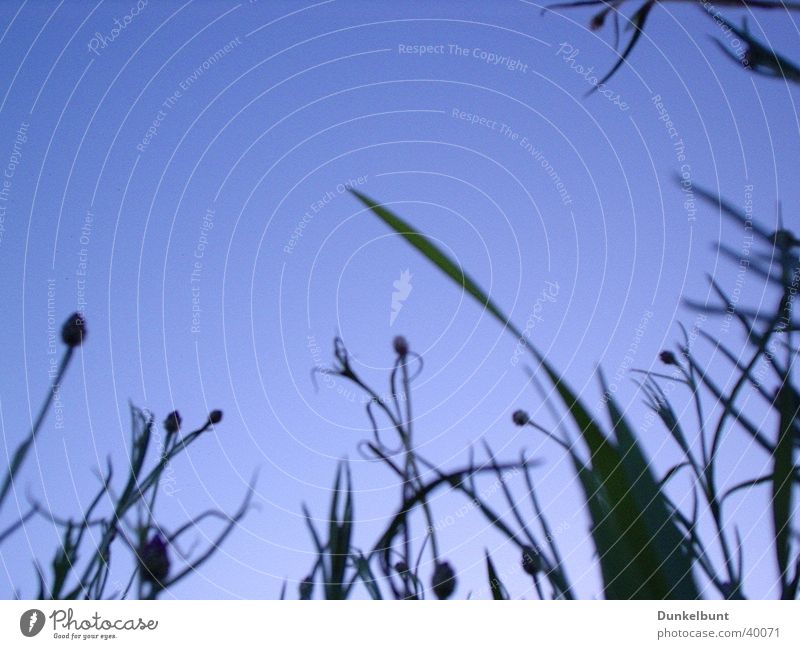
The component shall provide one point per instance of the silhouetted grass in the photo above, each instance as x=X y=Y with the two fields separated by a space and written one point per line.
x=758 y=57
x=123 y=519
x=647 y=545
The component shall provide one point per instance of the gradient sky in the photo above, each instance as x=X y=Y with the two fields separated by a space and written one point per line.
x=305 y=98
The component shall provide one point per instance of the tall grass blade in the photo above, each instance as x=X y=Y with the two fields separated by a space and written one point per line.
x=499 y=591
x=433 y=253
x=668 y=545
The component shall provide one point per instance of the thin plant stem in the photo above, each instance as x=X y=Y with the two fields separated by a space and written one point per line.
x=23 y=449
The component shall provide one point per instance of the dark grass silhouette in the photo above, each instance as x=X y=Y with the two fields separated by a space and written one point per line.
x=648 y=546
x=125 y=519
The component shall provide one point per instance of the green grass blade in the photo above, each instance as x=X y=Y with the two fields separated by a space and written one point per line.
x=339 y=535
x=498 y=589
x=314 y=536
x=434 y=254
x=671 y=561
x=619 y=575
x=347 y=516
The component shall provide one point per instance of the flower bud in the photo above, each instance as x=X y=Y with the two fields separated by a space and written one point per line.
x=215 y=416
x=172 y=423
x=401 y=567
x=784 y=239
x=520 y=417
x=400 y=345
x=74 y=330
x=531 y=562
x=443 y=581
x=597 y=21
x=154 y=561
x=668 y=358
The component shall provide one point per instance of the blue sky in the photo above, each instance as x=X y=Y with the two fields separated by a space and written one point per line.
x=202 y=135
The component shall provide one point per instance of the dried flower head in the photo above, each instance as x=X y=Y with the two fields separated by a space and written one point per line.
x=215 y=416
x=520 y=417
x=172 y=423
x=400 y=345
x=443 y=581
x=401 y=567
x=74 y=330
x=154 y=561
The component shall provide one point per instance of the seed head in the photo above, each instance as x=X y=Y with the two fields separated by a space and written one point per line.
x=668 y=358
x=154 y=561
x=520 y=417
x=74 y=330
x=172 y=424
x=443 y=581
x=215 y=416
x=400 y=345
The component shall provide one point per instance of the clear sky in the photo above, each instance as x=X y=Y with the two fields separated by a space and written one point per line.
x=180 y=179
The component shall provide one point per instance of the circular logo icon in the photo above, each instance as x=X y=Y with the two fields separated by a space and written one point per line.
x=31 y=622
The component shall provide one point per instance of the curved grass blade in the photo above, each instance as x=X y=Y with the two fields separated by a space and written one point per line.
x=433 y=253
x=637 y=21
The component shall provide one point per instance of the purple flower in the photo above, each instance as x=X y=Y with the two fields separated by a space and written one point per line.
x=172 y=423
